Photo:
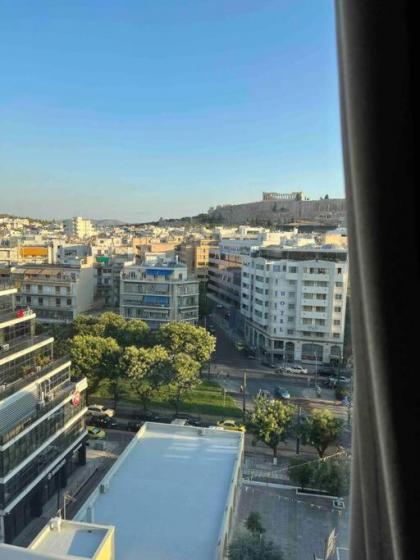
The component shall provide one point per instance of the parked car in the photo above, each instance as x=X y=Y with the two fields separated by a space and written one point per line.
x=191 y=420
x=102 y=422
x=325 y=372
x=296 y=369
x=100 y=410
x=134 y=426
x=281 y=393
x=270 y=365
x=95 y=433
x=251 y=357
x=231 y=425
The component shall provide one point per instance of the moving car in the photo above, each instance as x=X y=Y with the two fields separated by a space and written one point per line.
x=100 y=410
x=296 y=369
x=95 y=433
x=281 y=393
x=231 y=425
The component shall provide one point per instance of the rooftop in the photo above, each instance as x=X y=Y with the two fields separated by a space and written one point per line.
x=69 y=538
x=168 y=492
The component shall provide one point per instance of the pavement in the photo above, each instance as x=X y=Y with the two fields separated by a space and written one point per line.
x=298 y=524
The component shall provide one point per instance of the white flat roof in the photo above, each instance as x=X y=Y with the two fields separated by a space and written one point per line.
x=168 y=492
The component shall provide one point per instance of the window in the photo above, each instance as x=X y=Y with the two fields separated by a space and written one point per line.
x=337 y=322
x=337 y=309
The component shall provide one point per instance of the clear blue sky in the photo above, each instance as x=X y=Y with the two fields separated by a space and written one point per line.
x=136 y=109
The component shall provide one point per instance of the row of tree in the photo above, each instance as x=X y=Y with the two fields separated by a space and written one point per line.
x=273 y=421
x=111 y=349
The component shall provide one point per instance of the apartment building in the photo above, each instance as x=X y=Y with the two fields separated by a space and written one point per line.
x=42 y=418
x=294 y=303
x=159 y=292
x=108 y=278
x=79 y=227
x=195 y=254
x=57 y=293
x=225 y=262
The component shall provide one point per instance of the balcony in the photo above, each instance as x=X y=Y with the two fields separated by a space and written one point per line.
x=16 y=347
x=31 y=377
x=11 y=315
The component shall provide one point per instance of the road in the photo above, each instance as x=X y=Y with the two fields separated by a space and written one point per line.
x=228 y=366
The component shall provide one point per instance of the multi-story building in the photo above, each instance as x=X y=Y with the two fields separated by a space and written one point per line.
x=294 y=302
x=42 y=418
x=159 y=292
x=225 y=263
x=79 y=227
x=195 y=254
x=58 y=293
x=108 y=278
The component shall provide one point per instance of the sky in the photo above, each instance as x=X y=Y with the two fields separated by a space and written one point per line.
x=140 y=109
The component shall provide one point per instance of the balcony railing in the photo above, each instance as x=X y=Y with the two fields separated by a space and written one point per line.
x=28 y=342
x=31 y=377
x=10 y=314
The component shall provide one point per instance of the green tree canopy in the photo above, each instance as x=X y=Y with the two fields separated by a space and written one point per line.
x=93 y=357
x=146 y=368
x=271 y=421
x=184 y=338
x=302 y=472
x=248 y=546
x=253 y=523
x=87 y=325
x=183 y=377
x=321 y=429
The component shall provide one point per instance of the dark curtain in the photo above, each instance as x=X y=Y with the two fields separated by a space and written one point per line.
x=377 y=129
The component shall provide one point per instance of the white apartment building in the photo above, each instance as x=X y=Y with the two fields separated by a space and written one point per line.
x=159 y=292
x=58 y=293
x=294 y=303
x=79 y=227
x=225 y=261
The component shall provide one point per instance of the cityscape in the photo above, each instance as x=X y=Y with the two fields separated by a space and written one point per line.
x=176 y=355
x=200 y=372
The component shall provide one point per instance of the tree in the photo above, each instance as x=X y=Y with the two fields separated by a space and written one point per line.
x=146 y=369
x=92 y=357
x=184 y=376
x=113 y=325
x=333 y=476
x=253 y=523
x=271 y=421
x=136 y=333
x=86 y=325
x=188 y=339
x=248 y=546
x=204 y=306
x=321 y=429
x=302 y=472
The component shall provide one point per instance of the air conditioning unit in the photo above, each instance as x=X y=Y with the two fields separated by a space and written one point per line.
x=4 y=347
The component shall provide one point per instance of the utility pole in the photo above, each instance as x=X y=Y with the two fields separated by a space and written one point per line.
x=244 y=397
x=298 y=432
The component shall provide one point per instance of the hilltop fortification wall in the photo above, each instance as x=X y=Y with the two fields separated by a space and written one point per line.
x=282 y=211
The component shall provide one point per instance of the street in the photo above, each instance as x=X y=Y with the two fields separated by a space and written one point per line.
x=228 y=367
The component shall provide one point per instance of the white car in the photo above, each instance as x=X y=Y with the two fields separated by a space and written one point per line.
x=100 y=410
x=296 y=369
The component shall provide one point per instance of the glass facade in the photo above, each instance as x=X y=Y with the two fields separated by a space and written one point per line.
x=25 y=476
x=13 y=455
